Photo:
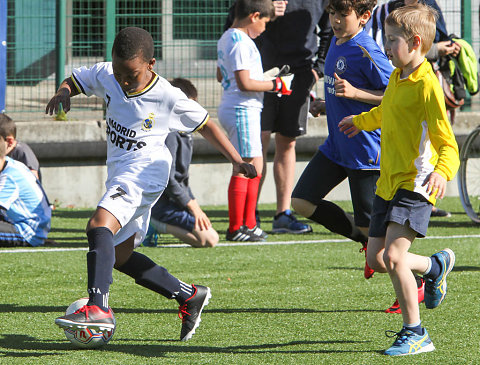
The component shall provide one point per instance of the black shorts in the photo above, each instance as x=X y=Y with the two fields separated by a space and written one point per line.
x=406 y=207
x=288 y=115
x=320 y=177
x=9 y=236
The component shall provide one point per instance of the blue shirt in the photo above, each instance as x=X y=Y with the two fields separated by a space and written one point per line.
x=24 y=201
x=361 y=62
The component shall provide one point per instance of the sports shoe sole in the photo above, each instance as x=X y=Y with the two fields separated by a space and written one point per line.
x=286 y=230
x=199 y=319
x=427 y=348
x=99 y=327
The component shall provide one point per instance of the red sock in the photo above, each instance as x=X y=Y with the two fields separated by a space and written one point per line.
x=251 y=202
x=237 y=193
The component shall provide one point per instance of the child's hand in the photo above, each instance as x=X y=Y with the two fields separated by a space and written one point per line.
x=245 y=168
x=347 y=127
x=202 y=222
x=61 y=97
x=280 y=7
x=436 y=185
x=317 y=107
x=343 y=88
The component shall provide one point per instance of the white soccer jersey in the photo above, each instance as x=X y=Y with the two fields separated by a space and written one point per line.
x=236 y=51
x=138 y=123
x=137 y=159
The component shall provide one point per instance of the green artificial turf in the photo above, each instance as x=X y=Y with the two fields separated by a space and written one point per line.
x=300 y=303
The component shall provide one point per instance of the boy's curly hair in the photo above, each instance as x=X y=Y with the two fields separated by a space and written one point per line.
x=133 y=42
x=360 y=7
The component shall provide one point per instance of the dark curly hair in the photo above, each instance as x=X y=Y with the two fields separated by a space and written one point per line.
x=358 y=6
x=133 y=42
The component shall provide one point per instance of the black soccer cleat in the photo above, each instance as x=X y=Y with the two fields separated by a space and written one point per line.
x=89 y=316
x=191 y=311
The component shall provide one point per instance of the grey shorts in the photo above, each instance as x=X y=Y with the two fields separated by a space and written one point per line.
x=406 y=207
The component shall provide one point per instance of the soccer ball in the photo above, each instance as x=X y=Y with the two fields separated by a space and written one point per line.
x=86 y=338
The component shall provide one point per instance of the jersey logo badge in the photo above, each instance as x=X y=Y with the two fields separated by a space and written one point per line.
x=148 y=123
x=340 y=65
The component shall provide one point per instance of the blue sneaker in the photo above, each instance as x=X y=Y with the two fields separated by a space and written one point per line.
x=286 y=222
x=409 y=343
x=436 y=289
x=151 y=238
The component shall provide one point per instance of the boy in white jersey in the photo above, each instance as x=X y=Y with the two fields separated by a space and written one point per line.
x=239 y=69
x=142 y=108
x=419 y=155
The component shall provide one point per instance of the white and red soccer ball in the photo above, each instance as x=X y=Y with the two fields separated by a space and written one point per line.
x=86 y=338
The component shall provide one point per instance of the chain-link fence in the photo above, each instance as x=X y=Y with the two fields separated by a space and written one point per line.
x=46 y=39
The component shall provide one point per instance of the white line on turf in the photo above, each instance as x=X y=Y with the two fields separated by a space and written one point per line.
x=225 y=244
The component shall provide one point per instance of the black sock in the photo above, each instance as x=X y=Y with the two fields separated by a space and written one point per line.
x=336 y=220
x=435 y=269
x=418 y=279
x=151 y=276
x=100 y=261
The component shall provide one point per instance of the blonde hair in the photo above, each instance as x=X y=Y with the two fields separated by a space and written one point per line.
x=417 y=19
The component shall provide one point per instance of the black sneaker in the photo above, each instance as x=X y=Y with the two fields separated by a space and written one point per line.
x=243 y=234
x=191 y=310
x=257 y=232
x=440 y=213
x=89 y=316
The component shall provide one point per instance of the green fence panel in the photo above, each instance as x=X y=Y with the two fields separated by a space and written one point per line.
x=185 y=33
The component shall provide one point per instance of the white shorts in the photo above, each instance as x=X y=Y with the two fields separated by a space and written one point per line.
x=132 y=189
x=243 y=128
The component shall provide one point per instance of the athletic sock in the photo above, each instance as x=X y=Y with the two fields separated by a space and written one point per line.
x=415 y=327
x=336 y=220
x=251 y=202
x=151 y=276
x=435 y=268
x=237 y=194
x=100 y=261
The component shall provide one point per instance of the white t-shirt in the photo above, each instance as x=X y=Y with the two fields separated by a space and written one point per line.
x=236 y=51
x=138 y=123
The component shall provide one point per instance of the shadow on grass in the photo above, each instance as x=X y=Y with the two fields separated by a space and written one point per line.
x=15 y=346
x=73 y=214
x=466 y=268
x=8 y=308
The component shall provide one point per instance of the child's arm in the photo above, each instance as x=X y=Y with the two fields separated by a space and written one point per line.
x=219 y=75
x=66 y=90
x=245 y=83
x=441 y=133
x=344 y=89
x=212 y=133
x=367 y=121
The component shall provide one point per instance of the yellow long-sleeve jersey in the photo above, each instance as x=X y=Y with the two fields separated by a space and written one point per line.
x=417 y=137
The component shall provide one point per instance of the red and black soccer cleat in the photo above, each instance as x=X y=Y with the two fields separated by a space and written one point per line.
x=89 y=316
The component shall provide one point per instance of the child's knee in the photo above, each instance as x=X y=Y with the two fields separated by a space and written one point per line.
x=376 y=264
x=303 y=207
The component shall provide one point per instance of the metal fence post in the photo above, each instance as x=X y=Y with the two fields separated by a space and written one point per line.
x=60 y=40
x=109 y=28
x=467 y=20
x=3 y=53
